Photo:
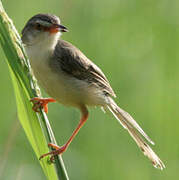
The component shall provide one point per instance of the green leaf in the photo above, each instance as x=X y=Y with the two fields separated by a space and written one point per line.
x=36 y=126
x=31 y=126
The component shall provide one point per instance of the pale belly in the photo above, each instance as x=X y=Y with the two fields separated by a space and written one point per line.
x=66 y=89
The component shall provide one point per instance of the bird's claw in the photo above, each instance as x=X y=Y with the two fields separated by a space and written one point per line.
x=41 y=103
x=58 y=150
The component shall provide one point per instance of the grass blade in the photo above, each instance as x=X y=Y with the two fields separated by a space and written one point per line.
x=36 y=126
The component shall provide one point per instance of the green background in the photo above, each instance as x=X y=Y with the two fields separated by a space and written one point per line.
x=136 y=45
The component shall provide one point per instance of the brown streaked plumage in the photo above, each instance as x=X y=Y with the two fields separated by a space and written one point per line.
x=74 y=63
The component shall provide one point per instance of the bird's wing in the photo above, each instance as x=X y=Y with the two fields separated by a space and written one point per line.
x=74 y=63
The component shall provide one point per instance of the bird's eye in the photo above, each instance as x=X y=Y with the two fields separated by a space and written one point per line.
x=38 y=27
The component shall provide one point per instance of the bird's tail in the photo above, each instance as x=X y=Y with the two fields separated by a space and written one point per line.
x=134 y=129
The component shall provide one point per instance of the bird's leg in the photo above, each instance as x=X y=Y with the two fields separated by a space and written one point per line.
x=41 y=103
x=60 y=150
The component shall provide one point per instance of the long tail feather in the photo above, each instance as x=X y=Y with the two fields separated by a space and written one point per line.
x=134 y=129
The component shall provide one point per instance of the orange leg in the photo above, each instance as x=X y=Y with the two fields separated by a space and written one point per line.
x=60 y=150
x=41 y=103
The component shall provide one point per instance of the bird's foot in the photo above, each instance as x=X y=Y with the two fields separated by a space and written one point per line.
x=41 y=103
x=58 y=150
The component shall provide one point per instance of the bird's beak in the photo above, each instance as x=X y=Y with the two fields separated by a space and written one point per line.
x=61 y=28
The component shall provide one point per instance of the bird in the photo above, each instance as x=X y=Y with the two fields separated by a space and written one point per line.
x=72 y=79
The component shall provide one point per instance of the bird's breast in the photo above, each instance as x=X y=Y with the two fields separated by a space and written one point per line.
x=66 y=89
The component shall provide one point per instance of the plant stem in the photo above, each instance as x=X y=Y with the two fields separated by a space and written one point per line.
x=20 y=66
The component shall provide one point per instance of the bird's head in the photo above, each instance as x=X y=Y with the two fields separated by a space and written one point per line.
x=42 y=28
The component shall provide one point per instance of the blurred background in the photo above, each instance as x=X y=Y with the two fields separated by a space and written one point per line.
x=136 y=44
